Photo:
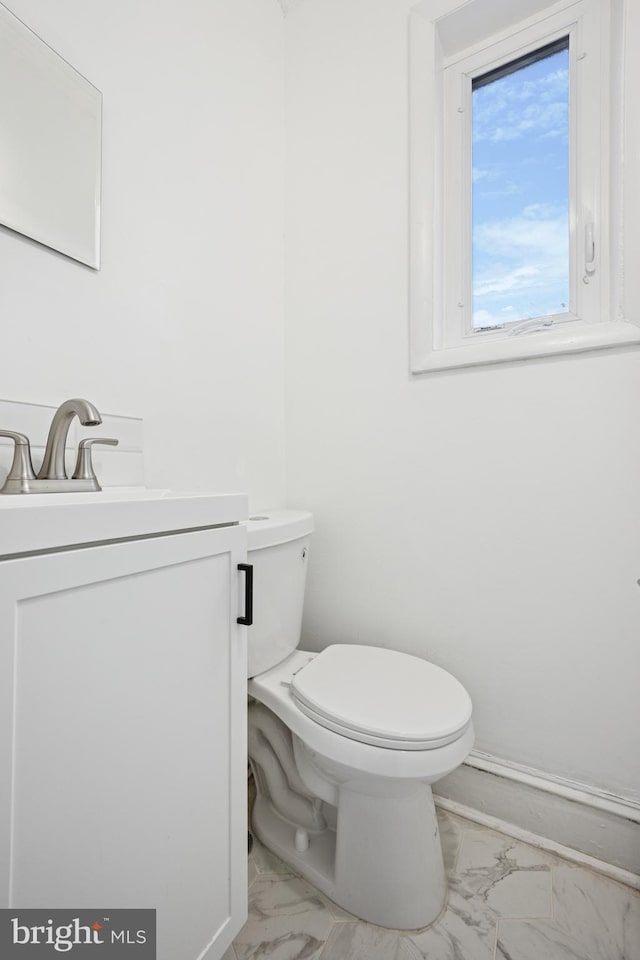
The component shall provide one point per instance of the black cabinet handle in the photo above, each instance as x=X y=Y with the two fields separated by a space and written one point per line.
x=247 y=569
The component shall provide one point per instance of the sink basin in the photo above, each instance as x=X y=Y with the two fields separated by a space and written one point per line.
x=32 y=523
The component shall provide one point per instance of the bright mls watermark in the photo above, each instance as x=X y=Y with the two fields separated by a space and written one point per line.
x=80 y=934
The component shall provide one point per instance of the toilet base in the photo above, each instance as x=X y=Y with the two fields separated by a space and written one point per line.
x=389 y=871
x=315 y=864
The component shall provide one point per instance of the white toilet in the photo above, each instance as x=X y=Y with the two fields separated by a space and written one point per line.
x=345 y=745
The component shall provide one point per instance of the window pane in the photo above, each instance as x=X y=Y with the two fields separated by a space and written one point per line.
x=520 y=137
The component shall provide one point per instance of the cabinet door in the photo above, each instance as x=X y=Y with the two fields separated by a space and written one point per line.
x=122 y=737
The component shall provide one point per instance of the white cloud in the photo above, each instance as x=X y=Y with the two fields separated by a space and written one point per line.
x=511 y=108
x=544 y=211
x=501 y=282
x=521 y=265
x=484 y=318
x=540 y=233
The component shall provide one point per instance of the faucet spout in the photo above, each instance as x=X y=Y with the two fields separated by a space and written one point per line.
x=53 y=466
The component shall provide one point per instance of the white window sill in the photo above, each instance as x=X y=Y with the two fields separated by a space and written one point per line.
x=566 y=339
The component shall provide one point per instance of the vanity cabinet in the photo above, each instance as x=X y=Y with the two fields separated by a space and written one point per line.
x=122 y=735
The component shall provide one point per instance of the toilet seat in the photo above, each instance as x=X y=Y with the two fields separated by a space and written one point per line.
x=382 y=697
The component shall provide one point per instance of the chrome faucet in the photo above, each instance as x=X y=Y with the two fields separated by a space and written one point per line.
x=53 y=467
x=52 y=476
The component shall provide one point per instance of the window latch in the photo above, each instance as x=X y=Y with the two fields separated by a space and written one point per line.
x=589 y=251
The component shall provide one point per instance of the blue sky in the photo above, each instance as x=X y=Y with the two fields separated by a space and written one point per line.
x=520 y=194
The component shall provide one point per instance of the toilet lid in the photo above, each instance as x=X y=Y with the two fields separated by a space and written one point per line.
x=382 y=697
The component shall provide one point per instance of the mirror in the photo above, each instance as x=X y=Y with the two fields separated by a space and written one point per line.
x=50 y=146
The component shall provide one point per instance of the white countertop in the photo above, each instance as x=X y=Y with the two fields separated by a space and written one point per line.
x=48 y=521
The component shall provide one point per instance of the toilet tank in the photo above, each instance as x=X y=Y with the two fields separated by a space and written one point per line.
x=278 y=547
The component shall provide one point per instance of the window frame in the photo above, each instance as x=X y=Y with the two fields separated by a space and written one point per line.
x=440 y=225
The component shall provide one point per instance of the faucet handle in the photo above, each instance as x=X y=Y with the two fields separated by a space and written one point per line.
x=21 y=468
x=84 y=464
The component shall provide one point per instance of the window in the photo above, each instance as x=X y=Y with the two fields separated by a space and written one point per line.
x=520 y=190
x=512 y=207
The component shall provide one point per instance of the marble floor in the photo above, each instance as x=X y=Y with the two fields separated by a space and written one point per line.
x=507 y=901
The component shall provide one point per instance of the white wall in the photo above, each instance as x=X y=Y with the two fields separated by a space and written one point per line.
x=183 y=325
x=488 y=519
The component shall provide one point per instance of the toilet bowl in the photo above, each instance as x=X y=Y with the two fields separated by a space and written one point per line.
x=344 y=746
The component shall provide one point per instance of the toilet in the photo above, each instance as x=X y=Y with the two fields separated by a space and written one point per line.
x=344 y=746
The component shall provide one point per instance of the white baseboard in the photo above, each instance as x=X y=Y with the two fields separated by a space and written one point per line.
x=576 y=821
